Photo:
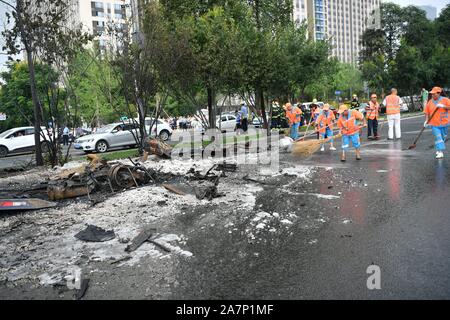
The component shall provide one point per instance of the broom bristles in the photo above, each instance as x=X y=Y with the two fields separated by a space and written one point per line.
x=308 y=147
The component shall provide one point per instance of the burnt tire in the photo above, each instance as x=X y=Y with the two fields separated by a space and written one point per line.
x=3 y=151
x=101 y=146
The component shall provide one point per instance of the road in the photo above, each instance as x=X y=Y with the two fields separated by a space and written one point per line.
x=393 y=212
x=389 y=210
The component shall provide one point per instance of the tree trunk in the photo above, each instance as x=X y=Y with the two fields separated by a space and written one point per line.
x=34 y=95
x=211 y=109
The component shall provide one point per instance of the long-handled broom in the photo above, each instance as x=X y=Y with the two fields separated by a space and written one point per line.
x=421 y=131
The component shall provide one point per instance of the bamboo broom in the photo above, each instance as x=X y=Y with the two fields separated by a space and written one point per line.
x=307 y=148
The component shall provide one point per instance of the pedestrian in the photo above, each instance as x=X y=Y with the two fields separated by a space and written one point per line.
x=441 y=120
x=424 y=95
x=238 y=122
x=349 y=128
x=66 y=136
x=355 y=102
x=392 y=103
x=324 y=124
x=293 y=114
x=372 y=111
x=244 y=117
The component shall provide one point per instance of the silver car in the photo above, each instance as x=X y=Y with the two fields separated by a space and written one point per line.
x=111 y=136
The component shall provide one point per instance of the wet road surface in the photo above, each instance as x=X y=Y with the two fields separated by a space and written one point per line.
x=393 y=211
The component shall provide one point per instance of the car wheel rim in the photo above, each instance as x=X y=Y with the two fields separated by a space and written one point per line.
x=102 y=147
x=163 y=135
x=3 y=152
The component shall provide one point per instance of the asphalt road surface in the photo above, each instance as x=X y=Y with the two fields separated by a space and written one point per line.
x=393 y=212
x=390 y=210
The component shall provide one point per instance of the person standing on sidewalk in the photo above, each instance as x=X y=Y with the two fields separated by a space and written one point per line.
x=66 y=136
x=293 y=114
x=393 y=103
x=349 y=128
x=441 y=120
x=324 y=125
x=372 y=111
x=244 y=118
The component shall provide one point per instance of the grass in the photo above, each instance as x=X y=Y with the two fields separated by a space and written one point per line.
x=114 y=155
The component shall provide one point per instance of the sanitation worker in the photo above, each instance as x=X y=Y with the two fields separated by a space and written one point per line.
x=293 y=114
x=348 y=125
x=372 y=111
x=324 y=125
x=440 y=122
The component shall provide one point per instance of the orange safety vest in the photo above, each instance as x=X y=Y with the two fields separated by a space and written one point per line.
x=442 y=116
x=392 y=104
x=347 y=124
x=294 y=115
x=372 y=112
x=324 y=122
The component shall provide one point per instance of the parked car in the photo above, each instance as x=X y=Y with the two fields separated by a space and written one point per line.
x=107 y=137
x=258 y=120
x=21 y=139
x=226 y=122
x=161 y=128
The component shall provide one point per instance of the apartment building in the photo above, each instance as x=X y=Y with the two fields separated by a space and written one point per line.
x=342 y=22
x=96 y=16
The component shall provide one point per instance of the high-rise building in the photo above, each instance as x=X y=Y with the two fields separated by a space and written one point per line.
x=96 y=16
x=300 y=10
x=430 y=10
x=342 y=22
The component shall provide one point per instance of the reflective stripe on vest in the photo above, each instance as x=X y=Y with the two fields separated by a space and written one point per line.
x=392 y=104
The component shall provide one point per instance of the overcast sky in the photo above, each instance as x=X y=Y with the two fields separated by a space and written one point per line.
x=439 y=4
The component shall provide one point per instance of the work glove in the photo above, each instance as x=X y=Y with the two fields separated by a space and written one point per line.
x=425 y=124
x=440 y=105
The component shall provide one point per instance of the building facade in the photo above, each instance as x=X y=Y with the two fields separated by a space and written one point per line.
x=100 y=16
x=342 y=22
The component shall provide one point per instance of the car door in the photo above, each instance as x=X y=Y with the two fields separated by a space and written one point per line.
x=231 y=123
x=28 y=139
x=133 y=134
x=18 y=140
x=118 y=137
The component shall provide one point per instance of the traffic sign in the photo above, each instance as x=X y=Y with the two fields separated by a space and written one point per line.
x=337 y=92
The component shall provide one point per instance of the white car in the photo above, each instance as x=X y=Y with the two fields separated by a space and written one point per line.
x=161 y=128
x=20 y=139
x=110 y=136
x=226 y=122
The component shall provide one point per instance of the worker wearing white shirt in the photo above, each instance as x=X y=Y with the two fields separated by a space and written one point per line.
x=393 y=103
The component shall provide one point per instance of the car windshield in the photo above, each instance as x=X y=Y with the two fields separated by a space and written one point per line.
x=106 y=129
x=6 y=133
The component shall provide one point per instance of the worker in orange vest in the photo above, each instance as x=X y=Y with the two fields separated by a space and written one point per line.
x=372 y=111
x=393 y=103
x=349 y=128
x=324 y=125
x=440 y=121
x=294 y=117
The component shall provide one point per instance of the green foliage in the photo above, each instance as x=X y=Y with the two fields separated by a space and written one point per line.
x=408 y=52
x=15 y=95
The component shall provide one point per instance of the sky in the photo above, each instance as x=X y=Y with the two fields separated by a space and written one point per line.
x=438 y=4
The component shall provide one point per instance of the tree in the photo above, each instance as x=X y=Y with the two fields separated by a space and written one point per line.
x=15 y=96
x=40 y=29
